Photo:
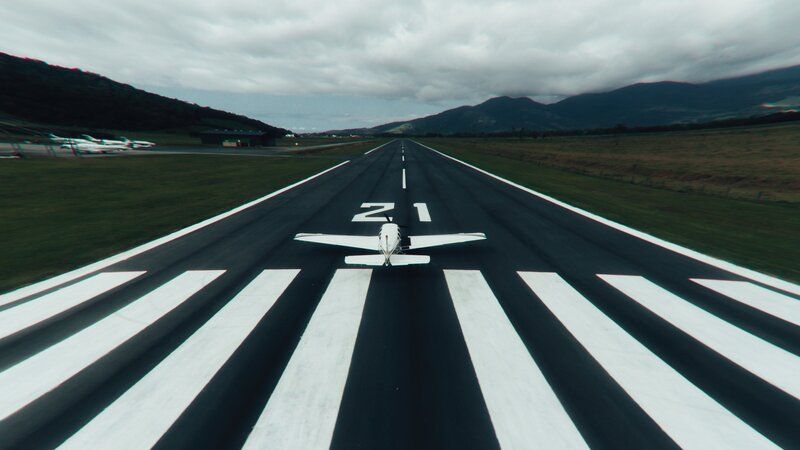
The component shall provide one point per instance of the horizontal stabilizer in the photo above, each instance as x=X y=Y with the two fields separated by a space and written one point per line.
x=407 y=260
x=394 y=260
x=361 y=242
x=436 y=240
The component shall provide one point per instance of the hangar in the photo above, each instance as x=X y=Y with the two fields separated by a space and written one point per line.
x=238 y=138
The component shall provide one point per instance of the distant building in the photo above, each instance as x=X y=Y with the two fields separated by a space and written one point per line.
x=238 y=138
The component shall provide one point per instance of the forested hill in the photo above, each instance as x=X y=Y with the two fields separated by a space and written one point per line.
x=35 y=91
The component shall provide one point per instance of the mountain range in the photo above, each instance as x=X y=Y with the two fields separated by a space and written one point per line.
x=32 y=91
x=638 y=105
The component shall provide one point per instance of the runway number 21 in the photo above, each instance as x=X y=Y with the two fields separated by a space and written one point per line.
x=377 y=212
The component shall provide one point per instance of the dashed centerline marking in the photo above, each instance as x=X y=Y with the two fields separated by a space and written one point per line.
x=404 y=178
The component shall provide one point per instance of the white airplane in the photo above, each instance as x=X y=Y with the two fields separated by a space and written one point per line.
x=86 y=145
x=65 y=140
x=389 y=244
x=137 y=144
x=91 y=147
x=105 y=141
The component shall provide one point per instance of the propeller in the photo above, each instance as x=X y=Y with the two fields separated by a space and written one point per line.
x=389 y=219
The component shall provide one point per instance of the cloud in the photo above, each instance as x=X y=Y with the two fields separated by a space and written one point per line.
x=424 y=50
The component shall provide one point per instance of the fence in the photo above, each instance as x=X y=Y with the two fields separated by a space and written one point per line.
x=36 y=150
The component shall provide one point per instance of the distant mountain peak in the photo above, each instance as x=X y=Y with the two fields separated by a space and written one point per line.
x=640 y=104
x=508 y=98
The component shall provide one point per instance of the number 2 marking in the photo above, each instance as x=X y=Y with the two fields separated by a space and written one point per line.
x=369 y=216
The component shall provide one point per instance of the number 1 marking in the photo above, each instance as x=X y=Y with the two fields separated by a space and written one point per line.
x=422 y=211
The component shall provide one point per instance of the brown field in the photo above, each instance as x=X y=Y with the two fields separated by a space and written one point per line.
x=754 y=163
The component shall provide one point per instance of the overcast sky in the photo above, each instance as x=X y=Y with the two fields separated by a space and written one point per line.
x=320 y=64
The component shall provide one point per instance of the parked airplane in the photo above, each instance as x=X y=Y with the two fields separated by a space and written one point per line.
x=91 y=147
x=137 y=144
x=389 y=243
x=105 y=141
x=87 y=145
x=65 y=140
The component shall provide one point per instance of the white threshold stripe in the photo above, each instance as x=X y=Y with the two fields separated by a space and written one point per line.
x=770 y=302
x=404 y=178
x=19 y=317
x=710 y=260
x=41 y=373
x=768 y=362
x=301 y=412
x=686 y=414
x=376 y=148
x=525 y=411
x=58 y=280
x=141 y=416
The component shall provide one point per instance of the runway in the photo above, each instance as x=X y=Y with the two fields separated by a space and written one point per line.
x=560 y=330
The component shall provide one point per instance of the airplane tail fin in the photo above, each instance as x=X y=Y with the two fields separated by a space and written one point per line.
x=394 y=260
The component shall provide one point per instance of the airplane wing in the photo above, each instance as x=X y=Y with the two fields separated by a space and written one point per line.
x=435 y=240
x=362 y=242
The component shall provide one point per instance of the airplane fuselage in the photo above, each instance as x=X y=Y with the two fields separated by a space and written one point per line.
x=389 y=240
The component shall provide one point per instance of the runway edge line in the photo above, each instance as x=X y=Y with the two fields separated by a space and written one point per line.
x=750 y=274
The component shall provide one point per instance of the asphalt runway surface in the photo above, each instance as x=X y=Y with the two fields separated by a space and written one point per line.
x=558 y=331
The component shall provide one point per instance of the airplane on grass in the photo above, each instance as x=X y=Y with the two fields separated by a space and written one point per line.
x=390 y=245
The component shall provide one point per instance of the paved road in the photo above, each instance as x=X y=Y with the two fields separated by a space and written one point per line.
x=558 y=331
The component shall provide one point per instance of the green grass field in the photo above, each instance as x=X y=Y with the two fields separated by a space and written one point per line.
x=763 y=235
x=59 y=214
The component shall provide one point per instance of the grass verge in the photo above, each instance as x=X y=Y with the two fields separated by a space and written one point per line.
x=60 y=214
x=760 y=235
